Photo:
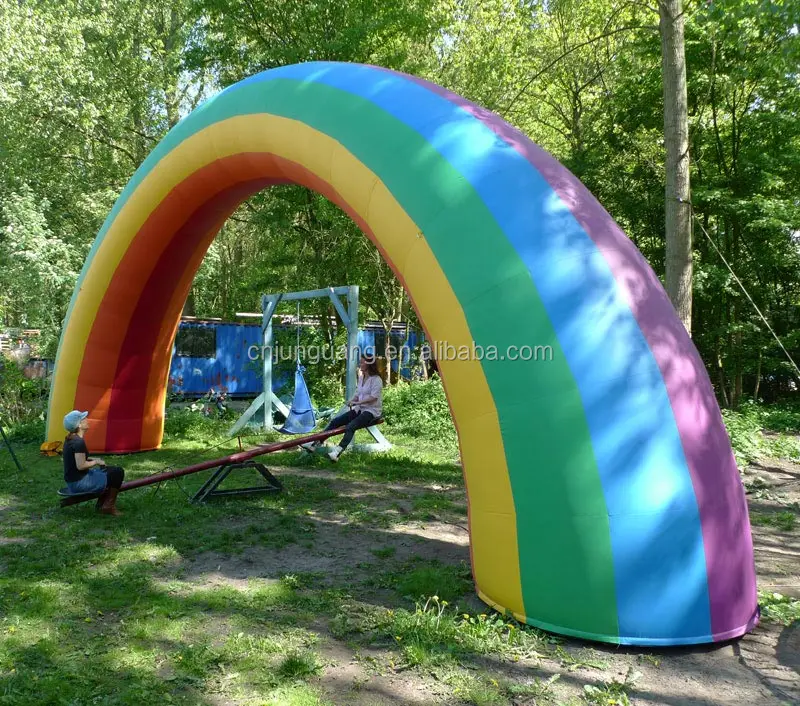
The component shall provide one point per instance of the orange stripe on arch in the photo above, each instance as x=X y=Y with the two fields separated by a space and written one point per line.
x=103 y=353
x=150 y=287
x=280 y=170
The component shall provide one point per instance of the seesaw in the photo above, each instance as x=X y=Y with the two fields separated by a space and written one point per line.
x=224 y=466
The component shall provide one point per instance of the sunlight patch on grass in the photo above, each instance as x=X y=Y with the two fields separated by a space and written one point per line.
x=124 y=556
x=41 y=600
x=245 y=661
x=296 y=695
x=434 y=632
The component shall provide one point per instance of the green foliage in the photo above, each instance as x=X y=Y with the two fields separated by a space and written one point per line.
x=744 y=430
x=420 y=409
x=783 y=446
x=784 y=417
x=30 y=431
x=778 y=608
x=190 y=425
x=243 y=38
x=23 y=401
x=37 y=269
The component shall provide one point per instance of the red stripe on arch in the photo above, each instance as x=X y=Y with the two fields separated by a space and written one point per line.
x=160 y=265
x=128 y=396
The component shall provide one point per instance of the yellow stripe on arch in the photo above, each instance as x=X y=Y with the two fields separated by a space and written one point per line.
x=493 y=525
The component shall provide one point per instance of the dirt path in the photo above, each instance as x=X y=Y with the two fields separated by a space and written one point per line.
x=762 y=668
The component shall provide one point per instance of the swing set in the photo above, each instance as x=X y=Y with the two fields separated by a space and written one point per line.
x=302 y=417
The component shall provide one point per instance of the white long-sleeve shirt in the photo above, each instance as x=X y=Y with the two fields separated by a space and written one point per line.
x=367 y=387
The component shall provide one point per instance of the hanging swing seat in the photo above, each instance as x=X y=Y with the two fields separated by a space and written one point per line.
x=301 y=418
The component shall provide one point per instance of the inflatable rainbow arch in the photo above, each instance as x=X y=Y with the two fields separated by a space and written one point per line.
x=604 y=500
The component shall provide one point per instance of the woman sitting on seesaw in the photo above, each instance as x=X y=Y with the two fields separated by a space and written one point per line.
x=365 y=406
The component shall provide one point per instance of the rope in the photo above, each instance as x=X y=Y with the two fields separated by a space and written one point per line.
x=297 y=345
x=746 y=293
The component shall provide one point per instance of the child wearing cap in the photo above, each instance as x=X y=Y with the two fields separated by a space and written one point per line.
x=88 y=475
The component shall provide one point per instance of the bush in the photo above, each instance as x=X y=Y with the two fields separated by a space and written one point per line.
x=193 y=426
x=420 y=409
x=22 y=401
x=744 y=430
x=745 y=427
x=783 y=418
x=29 y=432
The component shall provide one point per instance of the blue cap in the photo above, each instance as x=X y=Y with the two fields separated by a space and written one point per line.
x=74 y=418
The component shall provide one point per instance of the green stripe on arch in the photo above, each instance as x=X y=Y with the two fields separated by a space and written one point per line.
x=563 y=566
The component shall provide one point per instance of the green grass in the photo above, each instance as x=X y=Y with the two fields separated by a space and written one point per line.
x=784 y=520
x=134 y=610
x=447 y=582
x=436 y=633
x=385 y=552
x=107 y=610
x=417 y=579
x=777 y=608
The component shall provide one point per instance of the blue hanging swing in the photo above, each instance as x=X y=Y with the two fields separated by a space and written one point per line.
x=301 y=418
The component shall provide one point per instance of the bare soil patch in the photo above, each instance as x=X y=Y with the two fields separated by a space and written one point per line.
x=761 y=668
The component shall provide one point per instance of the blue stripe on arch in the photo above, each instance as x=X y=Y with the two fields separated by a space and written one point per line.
x=654 y=519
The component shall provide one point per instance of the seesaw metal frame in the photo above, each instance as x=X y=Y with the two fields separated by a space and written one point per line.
x=209 y=488
x=9 y=447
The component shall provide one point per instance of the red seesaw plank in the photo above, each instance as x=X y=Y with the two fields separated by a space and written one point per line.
x=259 y=450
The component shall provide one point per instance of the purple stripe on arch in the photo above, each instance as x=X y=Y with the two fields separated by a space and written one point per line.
x=715 y=478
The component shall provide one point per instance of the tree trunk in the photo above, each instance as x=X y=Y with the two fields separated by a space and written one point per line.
x=386 y=343
x=758 y=375
x=171 y=48
x=189 y=305
x=737 y=384
x=721 y=375
x=678 y=224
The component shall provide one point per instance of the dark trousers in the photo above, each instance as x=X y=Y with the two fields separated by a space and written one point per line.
x=354 y=420
x=115 y=476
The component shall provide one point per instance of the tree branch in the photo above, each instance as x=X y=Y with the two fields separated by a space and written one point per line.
x=566 y=53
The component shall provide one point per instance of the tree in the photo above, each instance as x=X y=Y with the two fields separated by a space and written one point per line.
x=677 y=203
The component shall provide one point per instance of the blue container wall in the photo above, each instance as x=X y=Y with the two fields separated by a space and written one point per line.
x=230 y=369
x=367 y=343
